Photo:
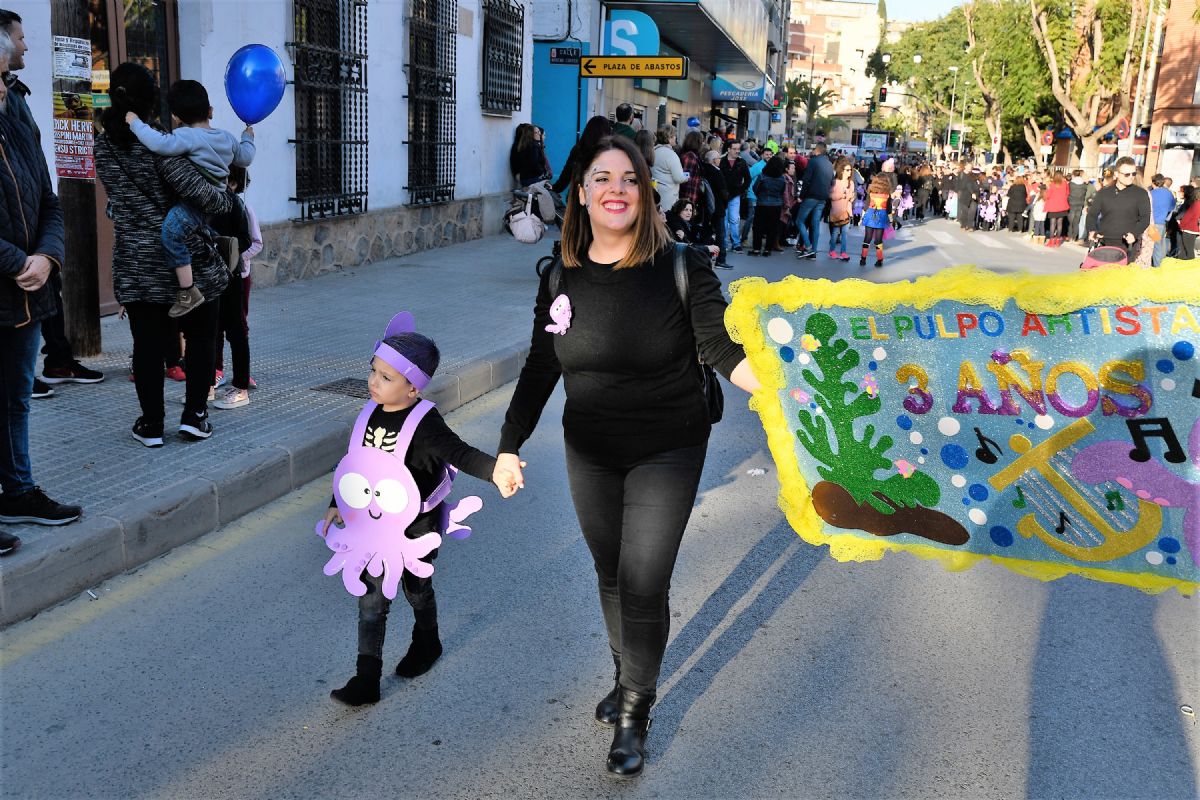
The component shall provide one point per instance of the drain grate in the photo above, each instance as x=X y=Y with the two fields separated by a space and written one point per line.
x=350 y=387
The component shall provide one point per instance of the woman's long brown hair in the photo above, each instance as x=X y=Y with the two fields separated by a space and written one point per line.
x=650 y=234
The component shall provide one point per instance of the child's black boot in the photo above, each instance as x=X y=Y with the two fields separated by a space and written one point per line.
x=363 y=688
x=425 y=649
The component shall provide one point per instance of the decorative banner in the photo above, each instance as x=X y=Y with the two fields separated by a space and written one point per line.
x=1036 y=421
x=74 y=147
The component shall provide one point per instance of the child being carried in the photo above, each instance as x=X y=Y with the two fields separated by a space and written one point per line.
x=212 y=151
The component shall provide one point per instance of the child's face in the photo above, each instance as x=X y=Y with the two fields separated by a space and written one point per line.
x=388 y=387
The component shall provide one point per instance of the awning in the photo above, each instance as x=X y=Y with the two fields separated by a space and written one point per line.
x=719 y=36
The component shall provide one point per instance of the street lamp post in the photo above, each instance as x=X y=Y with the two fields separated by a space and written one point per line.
x=950 y=123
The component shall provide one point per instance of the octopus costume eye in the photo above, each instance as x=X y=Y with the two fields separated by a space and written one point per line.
x=354 y=490
x=391 y=496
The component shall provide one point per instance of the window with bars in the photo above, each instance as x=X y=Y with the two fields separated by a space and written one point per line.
x=503 y=54
x=329 y=51
x=432 y=72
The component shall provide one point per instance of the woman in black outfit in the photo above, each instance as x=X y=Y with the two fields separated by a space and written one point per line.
x=141 y=188
x=527 y=157
x=636 y=424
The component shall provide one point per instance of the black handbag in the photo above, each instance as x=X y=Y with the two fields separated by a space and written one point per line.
x=714 y=398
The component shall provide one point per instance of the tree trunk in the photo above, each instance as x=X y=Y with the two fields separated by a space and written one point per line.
x=1007 y=155
x=81 y=284
x=1090 y=158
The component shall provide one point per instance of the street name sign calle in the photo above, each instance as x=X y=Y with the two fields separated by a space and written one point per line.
x=674 y=67
x=565 y=55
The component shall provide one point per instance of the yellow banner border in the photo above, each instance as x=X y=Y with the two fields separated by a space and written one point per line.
x=1175 y=281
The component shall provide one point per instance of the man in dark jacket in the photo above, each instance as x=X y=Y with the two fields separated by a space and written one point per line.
x=624 y=124
x=1077 y=196
x=1120 y=213
x=31 y=247
x=737 y=180
x=60 y=365
x=814 y=194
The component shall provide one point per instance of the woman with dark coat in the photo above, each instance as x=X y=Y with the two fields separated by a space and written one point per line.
x=636 y=424
x=1018 y=201
x=596 y=129
x=142 y=188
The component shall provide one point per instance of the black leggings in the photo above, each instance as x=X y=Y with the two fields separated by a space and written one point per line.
x=1056 y=223
x=373 y=609
x=633 y=517
x=766 y=227
x=872 y=236
x=153 y=333
x=232 y=326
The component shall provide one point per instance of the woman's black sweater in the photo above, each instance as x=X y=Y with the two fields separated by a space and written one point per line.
x=628 y=360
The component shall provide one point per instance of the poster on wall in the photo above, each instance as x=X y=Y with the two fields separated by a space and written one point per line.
x=72 y=58
x=1050 y=424
x=874 y=141
x=74 y=147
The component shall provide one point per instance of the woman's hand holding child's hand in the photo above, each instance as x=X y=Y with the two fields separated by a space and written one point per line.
x=507 y=474
x=130 y=117
x=332 y=517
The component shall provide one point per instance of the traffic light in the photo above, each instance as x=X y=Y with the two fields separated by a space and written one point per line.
x=871 y=107
x=883 y=94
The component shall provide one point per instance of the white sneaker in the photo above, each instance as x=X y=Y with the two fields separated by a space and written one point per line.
x=232 y=397
x=220 y=379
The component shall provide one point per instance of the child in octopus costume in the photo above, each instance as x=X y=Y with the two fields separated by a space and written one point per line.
x=389 y=508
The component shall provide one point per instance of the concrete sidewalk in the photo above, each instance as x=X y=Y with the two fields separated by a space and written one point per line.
x=474 y=300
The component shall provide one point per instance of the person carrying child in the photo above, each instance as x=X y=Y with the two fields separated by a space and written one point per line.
x=213 y=151
x=876 y=218
x=402 y=366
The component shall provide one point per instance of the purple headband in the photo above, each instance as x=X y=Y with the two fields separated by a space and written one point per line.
x=401 y=323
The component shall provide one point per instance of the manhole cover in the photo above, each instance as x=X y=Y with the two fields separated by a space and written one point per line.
x=350 y=387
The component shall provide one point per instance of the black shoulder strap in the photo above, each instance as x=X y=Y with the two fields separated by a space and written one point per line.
x=555 y=278
x=681 y=279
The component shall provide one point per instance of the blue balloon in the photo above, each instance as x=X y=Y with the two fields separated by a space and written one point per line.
x=254 y=82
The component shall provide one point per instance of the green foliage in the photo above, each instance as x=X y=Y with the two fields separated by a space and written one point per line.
x=813 y=98
x=854 y=462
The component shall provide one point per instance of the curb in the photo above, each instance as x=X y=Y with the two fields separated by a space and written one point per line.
x=55 y=568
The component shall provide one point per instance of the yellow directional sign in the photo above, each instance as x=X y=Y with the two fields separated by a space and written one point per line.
x=675 y=67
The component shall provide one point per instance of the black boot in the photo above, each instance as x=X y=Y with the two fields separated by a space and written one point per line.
x=606 y=709
x=425 y=649
x=363 y=688
x=627 y=755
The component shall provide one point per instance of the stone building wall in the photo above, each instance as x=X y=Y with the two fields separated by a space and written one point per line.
x=298 y=250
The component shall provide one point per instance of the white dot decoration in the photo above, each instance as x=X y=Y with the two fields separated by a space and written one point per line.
x=1154 y=557
x=915 y=437
x=1044 y=421
x=921 y=460
x=803 y=358
x=948 y=426
x=879 y=354
x=1167 y=384
x=958 y=481
x=977 y=516
x=780 y=330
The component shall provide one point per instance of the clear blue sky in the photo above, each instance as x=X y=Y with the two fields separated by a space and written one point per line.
x=919 y=10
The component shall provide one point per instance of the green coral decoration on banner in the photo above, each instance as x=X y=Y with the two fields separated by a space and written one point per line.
x=846 y=459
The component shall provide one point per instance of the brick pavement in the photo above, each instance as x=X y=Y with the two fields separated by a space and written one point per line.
x=474 y=299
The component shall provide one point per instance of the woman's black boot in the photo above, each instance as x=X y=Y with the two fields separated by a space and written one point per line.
x=606 y=709
x=627 y=755
x=363 y=688
x=425 y=649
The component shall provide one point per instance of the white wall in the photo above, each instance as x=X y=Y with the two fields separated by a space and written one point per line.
x=210 y=32
x=38 y=72
x=483 y=142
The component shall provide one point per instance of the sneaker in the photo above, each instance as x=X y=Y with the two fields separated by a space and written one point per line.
x=8 y=544
x=195 y=426
x=810 y=254
x=33 y=506
x=723 y=265
x=147 y=434
x=791 y=240
x=833 y=254
x=878 y=263
x=737 y=249
x=756 y=252
x=232 y=397
x=41 y=390
x=212 y=395
x=802 y=252
x=845 y=256
x=72 y=373
x=185 y=300
x=253 y=385
x=176 y=373
x=862 y=262
x=220 y=381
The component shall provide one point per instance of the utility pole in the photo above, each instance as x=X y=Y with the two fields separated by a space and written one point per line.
x=76 y=181
x=950 y=124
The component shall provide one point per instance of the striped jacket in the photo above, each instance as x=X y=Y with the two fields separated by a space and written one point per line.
x=31 y=223
x=141 y=190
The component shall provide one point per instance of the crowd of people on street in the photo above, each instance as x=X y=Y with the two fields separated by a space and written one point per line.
x=734 y=195
x=183 y=243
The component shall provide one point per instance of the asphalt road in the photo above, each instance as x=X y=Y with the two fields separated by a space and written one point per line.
x=206 y=673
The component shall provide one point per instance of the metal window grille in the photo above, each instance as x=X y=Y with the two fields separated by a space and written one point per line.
x=503 y=52
x=432 y=71
x=329 y=51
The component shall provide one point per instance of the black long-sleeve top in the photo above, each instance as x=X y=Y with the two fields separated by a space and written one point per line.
x=628 y=360
x=1115 y=212
x=433 y=445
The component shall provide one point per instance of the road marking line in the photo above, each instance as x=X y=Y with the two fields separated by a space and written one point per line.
x=943 y=237
x=987 y=241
